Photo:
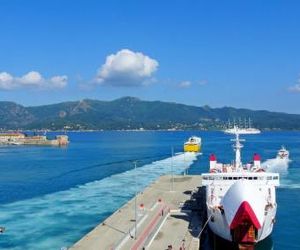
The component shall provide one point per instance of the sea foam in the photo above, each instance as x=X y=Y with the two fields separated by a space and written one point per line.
x=276 y=165
x=60 y=219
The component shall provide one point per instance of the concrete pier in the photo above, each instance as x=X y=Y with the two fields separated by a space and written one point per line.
x=169 y=215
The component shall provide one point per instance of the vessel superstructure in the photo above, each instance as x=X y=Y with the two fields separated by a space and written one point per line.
x=283 y=153
x=240 y=198
x=193 y=144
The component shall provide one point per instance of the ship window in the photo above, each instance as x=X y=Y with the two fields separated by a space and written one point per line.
x=269 y=177
x=250 y=178
x=229 y=178
x=275 y=177
x=235 y=178
x=224 y=178
x=254 y=178
x=210 y=178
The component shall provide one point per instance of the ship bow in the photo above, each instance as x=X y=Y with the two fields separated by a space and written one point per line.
x=244 y=211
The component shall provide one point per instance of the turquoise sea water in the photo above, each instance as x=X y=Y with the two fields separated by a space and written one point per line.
x=50 y=197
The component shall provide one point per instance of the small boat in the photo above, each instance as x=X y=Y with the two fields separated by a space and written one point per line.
x=283 y=153
x=240 y=199
x=193 y=144
x=14 y=143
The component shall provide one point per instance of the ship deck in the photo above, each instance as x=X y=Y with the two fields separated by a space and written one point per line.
x=170 y=213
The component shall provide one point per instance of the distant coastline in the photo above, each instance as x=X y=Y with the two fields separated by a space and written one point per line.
x=131 y=130
x=133 y=114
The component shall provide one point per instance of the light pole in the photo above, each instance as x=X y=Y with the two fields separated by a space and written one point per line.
x=135 y=212
x=185 y=167
x=172 y=181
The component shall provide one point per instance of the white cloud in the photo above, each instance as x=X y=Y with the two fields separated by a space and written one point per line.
x=295 y=88
x=202 y=82
x=188 y=84
x=185 y=84
x=127 y=68
x=31 y=79
x=6 y=81
x=58 y=81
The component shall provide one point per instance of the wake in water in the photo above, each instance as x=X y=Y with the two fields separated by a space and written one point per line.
x=276 y=165
x=59 y=219
x=289 y=179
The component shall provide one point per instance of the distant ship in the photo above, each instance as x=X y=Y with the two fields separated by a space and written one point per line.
x=246 y=129
x=283 y=153
x=242 y=131
x=193 y=144
x=240 y=199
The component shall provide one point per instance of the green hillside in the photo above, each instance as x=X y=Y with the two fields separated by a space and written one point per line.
x=132 y=113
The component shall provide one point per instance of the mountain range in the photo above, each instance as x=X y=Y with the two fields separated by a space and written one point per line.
x=132 y=113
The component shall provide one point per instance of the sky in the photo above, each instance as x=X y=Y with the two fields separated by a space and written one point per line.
x=244 y=54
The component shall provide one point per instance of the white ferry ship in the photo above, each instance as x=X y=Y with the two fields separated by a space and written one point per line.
x=240 y=199
x=247 y=129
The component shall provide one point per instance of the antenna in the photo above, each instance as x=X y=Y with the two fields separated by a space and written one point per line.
x=237 y=146
x=240 y=122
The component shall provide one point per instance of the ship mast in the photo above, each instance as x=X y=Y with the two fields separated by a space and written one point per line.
x=237 y=146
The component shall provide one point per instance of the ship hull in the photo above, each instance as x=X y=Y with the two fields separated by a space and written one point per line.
x=192 y=148
x=245 y=214
x=220 y=227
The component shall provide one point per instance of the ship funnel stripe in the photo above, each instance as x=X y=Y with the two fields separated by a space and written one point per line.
x=212 y=157
x=256 y=157
x=245 y=212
